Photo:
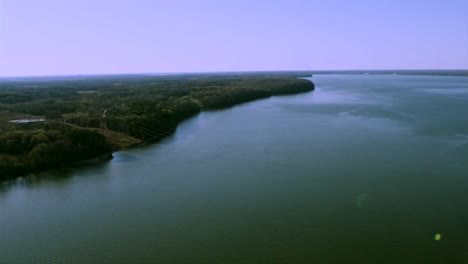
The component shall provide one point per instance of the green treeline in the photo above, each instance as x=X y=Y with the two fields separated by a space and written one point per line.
x=146 y=108
x=34 y=147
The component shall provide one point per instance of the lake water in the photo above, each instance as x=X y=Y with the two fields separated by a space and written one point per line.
x=365 y=169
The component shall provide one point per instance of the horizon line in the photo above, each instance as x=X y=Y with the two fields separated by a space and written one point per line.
x=207 y=72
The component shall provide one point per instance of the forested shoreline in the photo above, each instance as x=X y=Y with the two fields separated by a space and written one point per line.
x=91 y=116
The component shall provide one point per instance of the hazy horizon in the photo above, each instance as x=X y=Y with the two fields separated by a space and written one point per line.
x=227 y=72
x=60 y=38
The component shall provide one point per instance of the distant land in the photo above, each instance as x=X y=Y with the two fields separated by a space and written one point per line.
x=399 y=72
x=151 y=75
x=48 y=122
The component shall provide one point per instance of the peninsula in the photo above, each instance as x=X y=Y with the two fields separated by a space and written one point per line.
x=48 y=122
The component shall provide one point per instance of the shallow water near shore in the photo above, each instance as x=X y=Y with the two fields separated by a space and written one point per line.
x=365 y=169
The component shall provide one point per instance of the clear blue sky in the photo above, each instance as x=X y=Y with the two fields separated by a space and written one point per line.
x=55 y=37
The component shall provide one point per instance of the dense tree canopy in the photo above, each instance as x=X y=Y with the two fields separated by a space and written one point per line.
x=143 y=107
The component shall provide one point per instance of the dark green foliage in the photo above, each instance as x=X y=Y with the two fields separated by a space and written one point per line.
x=142 y=106
x=39 y=146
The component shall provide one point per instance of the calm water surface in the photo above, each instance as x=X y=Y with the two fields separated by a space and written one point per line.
x=366 y=169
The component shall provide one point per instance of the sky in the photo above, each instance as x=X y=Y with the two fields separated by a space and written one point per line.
x=67 y=37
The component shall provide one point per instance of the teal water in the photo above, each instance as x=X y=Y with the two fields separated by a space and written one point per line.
x=365 y=169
